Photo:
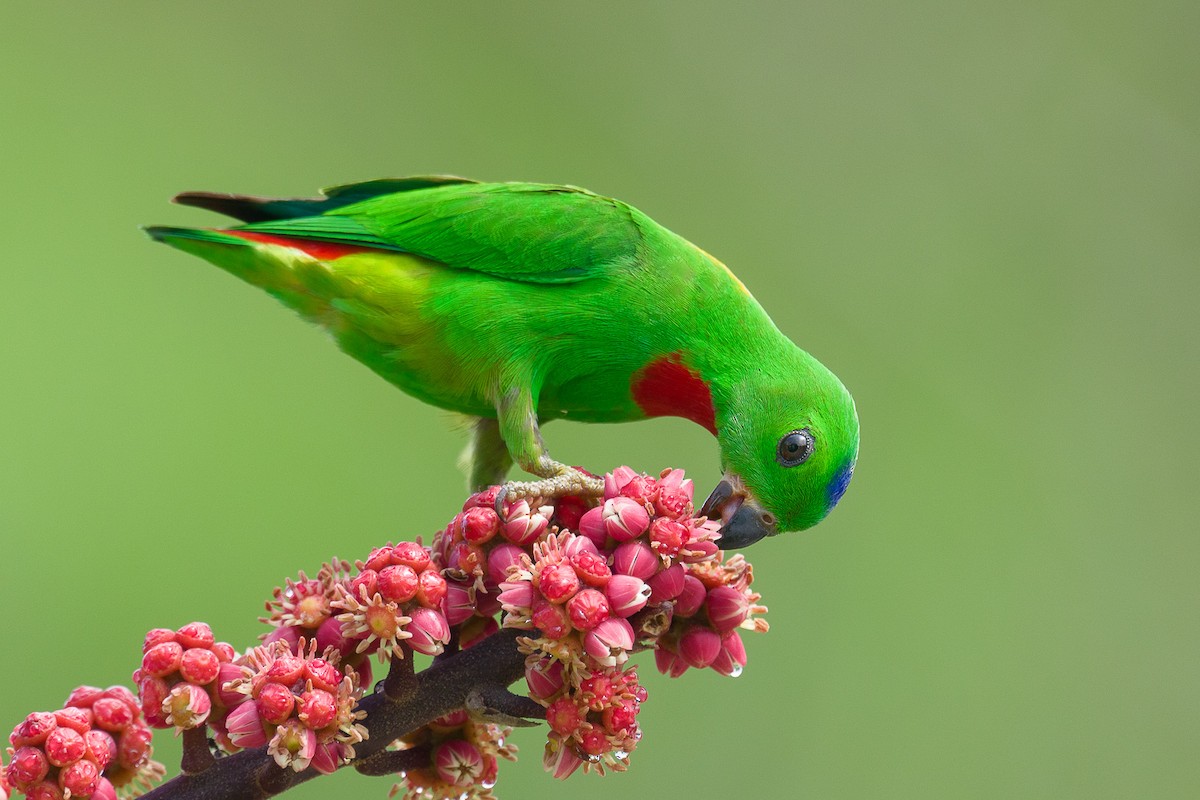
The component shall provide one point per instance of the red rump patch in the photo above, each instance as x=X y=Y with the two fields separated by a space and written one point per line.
x=667 y=388
x=322 y=251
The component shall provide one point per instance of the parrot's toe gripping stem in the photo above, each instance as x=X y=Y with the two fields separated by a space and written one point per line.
x=565 y=481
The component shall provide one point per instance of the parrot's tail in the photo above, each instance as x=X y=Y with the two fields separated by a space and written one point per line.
x=175 y=236
x=271 y=268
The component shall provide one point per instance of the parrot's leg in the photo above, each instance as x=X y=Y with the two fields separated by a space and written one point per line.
x=487 y=456
x=518 y=423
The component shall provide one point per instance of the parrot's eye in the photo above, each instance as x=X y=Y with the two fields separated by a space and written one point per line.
x=795 y=448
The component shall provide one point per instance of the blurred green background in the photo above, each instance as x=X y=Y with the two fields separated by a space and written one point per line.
x=983 y=217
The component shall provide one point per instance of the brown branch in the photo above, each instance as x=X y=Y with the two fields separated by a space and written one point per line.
x=485 y=669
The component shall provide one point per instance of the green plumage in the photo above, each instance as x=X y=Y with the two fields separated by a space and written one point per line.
x=526 y=302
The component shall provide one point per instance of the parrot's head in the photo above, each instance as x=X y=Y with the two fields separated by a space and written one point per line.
x=788 y=447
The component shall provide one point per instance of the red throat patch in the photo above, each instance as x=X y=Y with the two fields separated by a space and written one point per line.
x=666 y=387
x=322 y=251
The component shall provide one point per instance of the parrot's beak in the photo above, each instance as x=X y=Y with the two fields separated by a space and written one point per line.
x=743 y=520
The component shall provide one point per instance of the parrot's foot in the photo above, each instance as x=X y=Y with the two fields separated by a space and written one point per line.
x=568 y=481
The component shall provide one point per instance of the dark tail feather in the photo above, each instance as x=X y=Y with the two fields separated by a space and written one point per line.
x=254 y=209
x=264 y=209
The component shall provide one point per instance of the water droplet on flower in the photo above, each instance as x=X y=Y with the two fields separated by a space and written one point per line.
x=736 y=671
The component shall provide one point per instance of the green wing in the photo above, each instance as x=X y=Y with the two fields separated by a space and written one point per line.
x=537 y=233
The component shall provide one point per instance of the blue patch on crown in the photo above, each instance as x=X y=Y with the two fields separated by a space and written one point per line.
x=837 y=486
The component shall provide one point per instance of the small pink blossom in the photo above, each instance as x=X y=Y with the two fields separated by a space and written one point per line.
x=429 y=631
x=691 y=598
x=458 y=762
x=627 y=595
x=667 y=584
x=609 y=642
x=635 y=558
x=625 y=519
x=699 y=646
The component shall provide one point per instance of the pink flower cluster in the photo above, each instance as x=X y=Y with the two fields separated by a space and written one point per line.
x=397 y=596
x=298 y=704
x=711 y=602
x=464 y=759
x=588 y=583
x=177 y=681
x=592 y=582
x=93 y=745
x=593 y=722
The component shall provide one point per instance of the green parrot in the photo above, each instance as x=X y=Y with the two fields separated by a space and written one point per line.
x=519 y=303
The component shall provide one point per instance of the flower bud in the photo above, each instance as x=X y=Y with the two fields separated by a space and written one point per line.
x=609 y=642
x=111 y=714
x=398 y=583
x=558 y=582
x=458 y=607
x=591 y=567
x=627 y=595
x=431 y=588
x=727 y=608
x=635 y=558
x=187 y=706
x=732 y=657
x=195 y=634
x=327 y=758
x=691 y=598
x=199 y=666
x=625 y=519
x=34 y=729
x=102 y=747
x=523 y=526
x=560 y=760
x=162 y=659
x=669 y=663
x=64 y=745
x=667 y=584
x=478 y=525
x=699 y=646
x=458 y=762
x=616 y=480
x=550 y=619
x=500 y=558
x=430 y=632
x=591 y=526
x=79 y=779
x=545 y=678
x=28 y=766
x=156 y=636
x=587 y=609
x=317 y=708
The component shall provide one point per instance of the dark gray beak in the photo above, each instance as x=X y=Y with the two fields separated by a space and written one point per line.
x=743 y=521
